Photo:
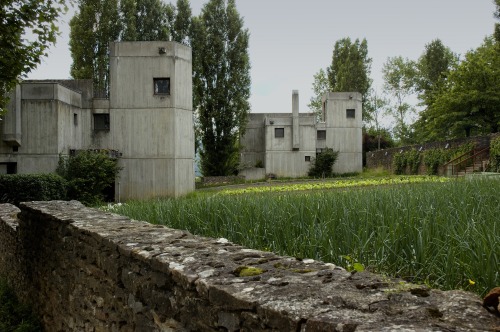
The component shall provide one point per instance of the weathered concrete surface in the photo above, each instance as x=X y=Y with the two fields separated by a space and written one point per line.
x=86 y=270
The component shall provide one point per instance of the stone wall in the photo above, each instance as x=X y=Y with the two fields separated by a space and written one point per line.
x=383 y=158
x=87 y=270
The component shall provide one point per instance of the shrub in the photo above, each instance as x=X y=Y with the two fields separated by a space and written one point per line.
x=322 y=165
x=15 y=188
x=89 y=174
x=495 y=154
x=15 y=316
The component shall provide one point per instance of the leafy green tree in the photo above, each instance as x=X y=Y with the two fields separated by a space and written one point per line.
x=399 y=75
x=92 y=28
x=145 y=20
x=221 y=81
x=469 y=104
x=181 y=27
x=20 y=54
x=350 y=68
x=376 y=106
x=320 y=86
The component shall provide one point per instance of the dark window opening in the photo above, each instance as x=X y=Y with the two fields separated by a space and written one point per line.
x=75 y=119
x=15 y=149
x=161 y=86
x=8 y=168
x=350 y=113
x=308 y=158
x=321 y=134
x=101 y=121
x=279 y=132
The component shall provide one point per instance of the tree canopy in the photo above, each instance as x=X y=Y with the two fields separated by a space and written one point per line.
x=221 y=80
x=350 y=68
x=21 y=54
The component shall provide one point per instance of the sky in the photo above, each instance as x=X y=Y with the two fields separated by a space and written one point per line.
x=291 y=40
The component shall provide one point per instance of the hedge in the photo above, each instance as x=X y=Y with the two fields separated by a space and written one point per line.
x=16 y=188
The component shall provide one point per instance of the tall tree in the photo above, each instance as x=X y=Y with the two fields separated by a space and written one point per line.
x=20 y=55
x=350 y=68
x=92 y=28
x=221 y=81
x=320 y=86
x=470 y=102
x=399 y=76
x=497 y=25
x=181 y=26
x=145 y=20
x=376 y=106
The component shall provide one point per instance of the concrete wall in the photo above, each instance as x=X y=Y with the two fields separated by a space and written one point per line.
x=153 y=132
x=344 y=134
x=85 y=270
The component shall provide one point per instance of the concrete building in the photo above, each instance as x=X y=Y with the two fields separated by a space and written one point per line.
x=285 y=144
x=147 y=121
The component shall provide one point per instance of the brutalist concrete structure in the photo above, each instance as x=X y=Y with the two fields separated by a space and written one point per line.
x=285 y=144
x=146 y=121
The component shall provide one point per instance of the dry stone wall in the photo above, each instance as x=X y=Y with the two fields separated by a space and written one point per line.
x=87 y=270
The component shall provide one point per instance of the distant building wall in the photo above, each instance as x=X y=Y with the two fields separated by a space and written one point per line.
x=287 y=143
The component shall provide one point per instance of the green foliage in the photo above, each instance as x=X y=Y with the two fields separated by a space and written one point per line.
x=350 y=68
x=14 y=316
x=439 y=232
x=352 y=264
x=181 y=28
x=323 y=164
x=407 y=160
x=495 y=154
x=89 y=174
x=467 y=104
x=92 y=28
x=320 y=86
x=20 y=54
x=497 y=25
x=221 y=80
x=16 y=188
x=399 y=76
x=145 y=20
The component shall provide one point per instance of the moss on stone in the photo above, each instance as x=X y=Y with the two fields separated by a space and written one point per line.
x=248 y=271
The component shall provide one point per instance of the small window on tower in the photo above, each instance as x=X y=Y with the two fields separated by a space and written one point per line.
x=101 y=121
x=279 y=132
x=161 y=86
x=321 y=134
x=350 y=113
x=308 y=158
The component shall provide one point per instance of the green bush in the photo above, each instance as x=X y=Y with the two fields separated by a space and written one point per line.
x=15 y=316
x=322 y=165
x=89 y=174
x=15 y=188
x=495 y=154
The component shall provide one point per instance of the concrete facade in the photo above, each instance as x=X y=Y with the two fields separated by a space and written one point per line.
x=285 y=144
x=147 y=121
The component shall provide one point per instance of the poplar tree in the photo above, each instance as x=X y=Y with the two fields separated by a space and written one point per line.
x=145 y=20
x=92 y=28
x=221 y=80
x=181 y=26
x=350 y=68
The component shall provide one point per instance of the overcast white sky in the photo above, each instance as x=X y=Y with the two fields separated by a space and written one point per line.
x=290 y=40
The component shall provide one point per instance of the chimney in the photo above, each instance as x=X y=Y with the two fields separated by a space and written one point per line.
x=295 y=123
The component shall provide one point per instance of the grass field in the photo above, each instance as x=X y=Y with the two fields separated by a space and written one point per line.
x=425 y=229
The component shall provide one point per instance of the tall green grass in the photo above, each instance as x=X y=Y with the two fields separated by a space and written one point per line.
x=444 y=234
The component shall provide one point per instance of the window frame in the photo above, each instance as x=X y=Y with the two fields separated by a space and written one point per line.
x=350 y=113
x=156 y=91
x=323 y=134
x=105 y=120
x=277 y=130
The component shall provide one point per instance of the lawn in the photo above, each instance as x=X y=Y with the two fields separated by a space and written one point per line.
x=423 y=229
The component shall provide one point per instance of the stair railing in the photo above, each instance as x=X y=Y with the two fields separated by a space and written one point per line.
x=466 y=159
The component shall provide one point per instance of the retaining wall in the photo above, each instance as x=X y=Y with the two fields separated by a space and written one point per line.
x=86 y=270
x=383 y=158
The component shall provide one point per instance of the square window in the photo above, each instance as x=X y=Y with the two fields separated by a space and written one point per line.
x=101 y=121
x=161 y=86
x=350 y=113
x=308 y=158
x=321 y=134
x=279 y=132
